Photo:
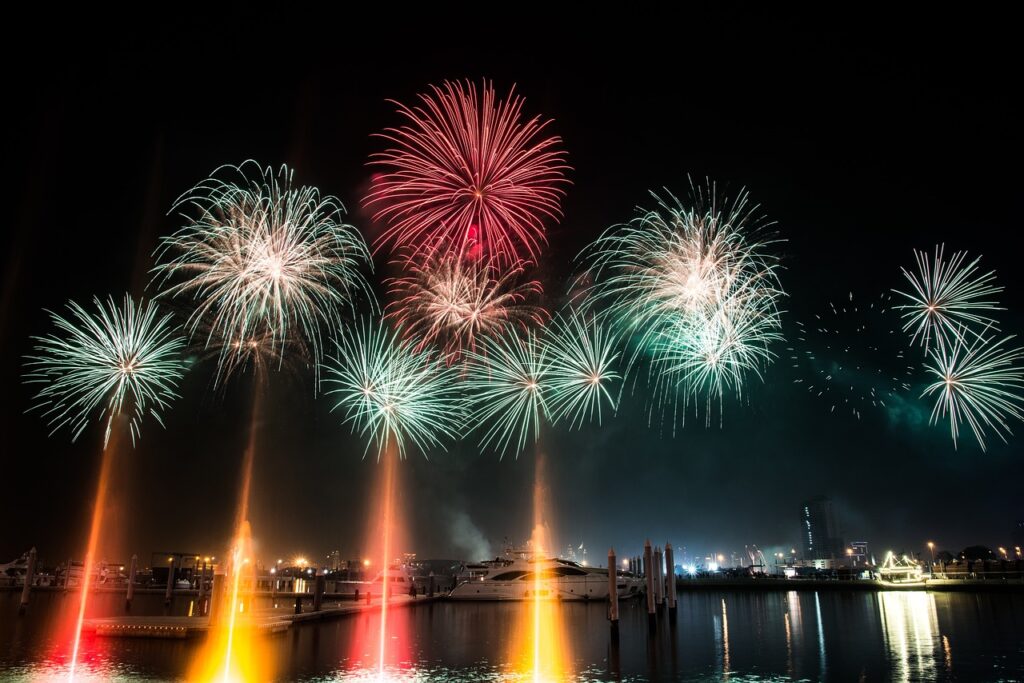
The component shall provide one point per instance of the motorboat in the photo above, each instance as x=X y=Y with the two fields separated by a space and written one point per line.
x=523 y=575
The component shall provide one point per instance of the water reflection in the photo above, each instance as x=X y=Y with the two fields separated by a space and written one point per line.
x=910 y=630
x=739 y=636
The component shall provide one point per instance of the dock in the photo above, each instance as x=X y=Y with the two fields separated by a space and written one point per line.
x=266 y=620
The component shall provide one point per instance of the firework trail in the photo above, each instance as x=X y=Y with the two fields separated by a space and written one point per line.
x=450 y=302
x=466 y=168
x=850 y=356
x=980 y=383
x=696 y=293
x=947 y=297
x=262 y=260
x=111 y=361
x=390 y=391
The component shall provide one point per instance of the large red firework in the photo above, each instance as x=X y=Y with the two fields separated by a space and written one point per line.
x=450 y=302
x=467 y=170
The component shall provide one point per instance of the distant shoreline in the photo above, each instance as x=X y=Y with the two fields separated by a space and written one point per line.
x=785 y=585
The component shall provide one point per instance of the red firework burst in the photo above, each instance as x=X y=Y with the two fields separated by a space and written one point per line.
x=467 y=170
x=449 y=301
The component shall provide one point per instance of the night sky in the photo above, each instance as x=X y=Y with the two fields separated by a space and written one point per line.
x=862 y=139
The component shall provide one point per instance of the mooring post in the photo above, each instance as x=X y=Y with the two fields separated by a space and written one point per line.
x=613 y=593
x=670 y=578
x=170 y=582
x=659 y=578
x=218 y=594
x=129 y=594
x=202 y=583
x=649 y=575
x=320 y=588
x=30 y=572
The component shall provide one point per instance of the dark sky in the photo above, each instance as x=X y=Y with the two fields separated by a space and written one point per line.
x=863 y=138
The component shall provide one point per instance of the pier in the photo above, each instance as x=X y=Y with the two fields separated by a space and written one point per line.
x=265 y=620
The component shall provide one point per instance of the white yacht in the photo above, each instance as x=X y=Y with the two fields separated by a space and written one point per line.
x=524 y=576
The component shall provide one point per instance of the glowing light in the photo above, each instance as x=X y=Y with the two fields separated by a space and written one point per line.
x=980 y=384
x=448 y=301
x=695 y=292
x=947 y=297
x=390 y=391
x=260 y=258
x=118 y=360
x=468 y=170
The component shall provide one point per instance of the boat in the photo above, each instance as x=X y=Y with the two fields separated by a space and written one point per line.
x=900 y=572
x=524 y=575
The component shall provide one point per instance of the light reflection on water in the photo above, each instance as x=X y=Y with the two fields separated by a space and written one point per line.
x=737 y=636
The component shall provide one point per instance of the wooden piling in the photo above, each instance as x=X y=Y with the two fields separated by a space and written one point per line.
x=30 y=572
x=670 y=578
x=170 y=582
x=613 y=592
x=320 y=587
x=648 y=561
x=218 y=594
x=659 y=579
x=129 y=594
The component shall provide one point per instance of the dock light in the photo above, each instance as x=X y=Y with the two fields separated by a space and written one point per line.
x=691 y=570
x=712 y=567
x=625 y=563
x=849 y=552
x=366 y=563
x=170 y=559
x=1002 y=551
x=273 y=570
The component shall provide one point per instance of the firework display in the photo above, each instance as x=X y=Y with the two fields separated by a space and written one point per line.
x=109 y=361
x=947 y=297
x=695 y=290
x=450 y=302
x=852 y=357
x=582 y=365
x=389 y=391
x=262 y=260
x=980 y=382
x=467 y=167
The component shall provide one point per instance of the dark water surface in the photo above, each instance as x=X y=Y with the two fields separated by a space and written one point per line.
x=742 y=636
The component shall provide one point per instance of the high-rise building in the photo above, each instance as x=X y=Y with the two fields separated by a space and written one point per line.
x=860 y=552
x=819 y=530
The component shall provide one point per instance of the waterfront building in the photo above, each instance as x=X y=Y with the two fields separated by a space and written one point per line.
x=819 y=530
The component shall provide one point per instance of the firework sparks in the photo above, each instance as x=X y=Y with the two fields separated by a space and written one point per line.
x=389 y=390
x=262 y=260
x=111 y=361
x=465 y=167
x=947 y=297
x=694 y=290
x=450 y=302
x=846 y=356
x=583 y=359
x=517 y=382
x=508 y=381
x=981 y=383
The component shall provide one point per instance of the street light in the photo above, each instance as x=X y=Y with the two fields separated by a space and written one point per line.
x=931 y=549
